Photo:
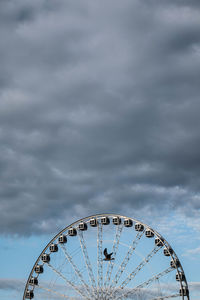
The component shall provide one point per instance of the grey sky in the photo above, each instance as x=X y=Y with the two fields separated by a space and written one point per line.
x=99 y=110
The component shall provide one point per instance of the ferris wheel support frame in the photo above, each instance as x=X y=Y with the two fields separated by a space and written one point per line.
x=100 y=285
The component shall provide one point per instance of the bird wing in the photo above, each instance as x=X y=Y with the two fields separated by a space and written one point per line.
x=105 y=252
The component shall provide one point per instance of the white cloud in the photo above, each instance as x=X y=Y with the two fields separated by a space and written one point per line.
x=192 y=252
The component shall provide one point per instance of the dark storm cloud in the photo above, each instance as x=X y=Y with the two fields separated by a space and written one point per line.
x=99 y=110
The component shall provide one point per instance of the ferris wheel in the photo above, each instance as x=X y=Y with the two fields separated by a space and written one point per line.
x=107 y=256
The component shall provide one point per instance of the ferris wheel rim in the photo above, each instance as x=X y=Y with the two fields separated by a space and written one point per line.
x=74 y=224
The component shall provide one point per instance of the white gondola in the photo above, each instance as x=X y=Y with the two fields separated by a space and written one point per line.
x=45 y=257
x=72 y=232
x=39 y=269
x=117 y=220
x=139 y=227
x=180 y=276
x=167 y=251
x=29 y=294
x=149 y=233
x=105 y=221
x=33 y=281
x=184 y=291
x=93 y=222
x=159 y=242
x=82 y=226
x=53 y=248
x=174 y=263
x=128 y=223
x=62 y=239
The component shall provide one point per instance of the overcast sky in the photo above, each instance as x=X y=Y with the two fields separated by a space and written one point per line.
x=99 y=111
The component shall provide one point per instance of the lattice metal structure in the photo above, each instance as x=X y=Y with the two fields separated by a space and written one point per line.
x=104 y=257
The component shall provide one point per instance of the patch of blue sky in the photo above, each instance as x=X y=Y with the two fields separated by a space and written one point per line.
x=18 y=255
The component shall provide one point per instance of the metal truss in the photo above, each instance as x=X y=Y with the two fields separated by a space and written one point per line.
x=99 y=258
x=68 y=282
x=114 y=250
x=78 y=273
x=166 y=297
x=55 y=292
x=126 y=259
x=140 y=266
x=146 y=283
x=87 y=260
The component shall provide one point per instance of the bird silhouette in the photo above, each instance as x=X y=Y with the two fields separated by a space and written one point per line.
x=107 y=256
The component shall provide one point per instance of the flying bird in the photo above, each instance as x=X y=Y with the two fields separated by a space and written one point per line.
x=107 y=256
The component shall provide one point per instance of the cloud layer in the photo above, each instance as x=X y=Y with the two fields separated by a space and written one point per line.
x=99 y=110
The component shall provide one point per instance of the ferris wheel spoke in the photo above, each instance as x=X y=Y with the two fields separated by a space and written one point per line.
x=87 y=260
x=155 y=277
x=140 y=266
x=126 y=259
x=78 y=273
x=166 y=297
x=55 y=292
x=146 y=283
x=99 y=257
x=68 y=281
x=114 y=250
